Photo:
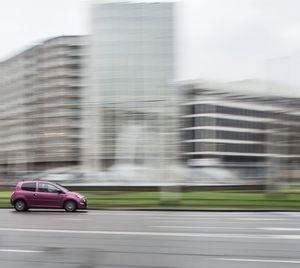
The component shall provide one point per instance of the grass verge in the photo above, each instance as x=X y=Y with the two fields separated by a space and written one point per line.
x=188 y=200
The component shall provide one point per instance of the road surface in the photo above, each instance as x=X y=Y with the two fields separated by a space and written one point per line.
x=140 y=239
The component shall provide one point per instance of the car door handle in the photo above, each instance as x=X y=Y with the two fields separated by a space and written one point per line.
x=34 y=195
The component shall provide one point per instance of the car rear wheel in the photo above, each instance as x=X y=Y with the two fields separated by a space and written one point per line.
x=20 y=205
x=70 y=206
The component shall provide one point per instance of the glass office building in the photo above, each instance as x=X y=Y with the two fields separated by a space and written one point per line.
x=129 y=103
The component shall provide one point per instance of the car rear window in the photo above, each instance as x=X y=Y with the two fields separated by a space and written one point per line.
x=29 y=186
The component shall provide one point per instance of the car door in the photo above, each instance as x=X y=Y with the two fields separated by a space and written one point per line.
x=29 y=193
x=49 y=196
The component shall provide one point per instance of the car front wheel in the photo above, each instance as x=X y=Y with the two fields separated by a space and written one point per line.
x=70 y=206
x=20 y=205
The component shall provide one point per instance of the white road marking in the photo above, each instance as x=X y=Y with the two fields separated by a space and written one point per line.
x=260 y=260
x=209 y=235
x=184 y=216
x=20 y=251
x=154 y=215
x=224 y=220
x=280 y=229
x=289 y=214
x=200 y=227
x=72 y=219
x=259 y=219
x=188 y=219
x=172 y=214
x=118 y=213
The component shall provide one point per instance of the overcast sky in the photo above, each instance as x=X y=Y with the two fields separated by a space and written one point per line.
x=217 y=39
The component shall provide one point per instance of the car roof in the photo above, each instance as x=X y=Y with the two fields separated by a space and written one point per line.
x=30 y=181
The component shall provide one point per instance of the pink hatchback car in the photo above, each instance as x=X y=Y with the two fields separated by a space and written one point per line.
x=45 y=194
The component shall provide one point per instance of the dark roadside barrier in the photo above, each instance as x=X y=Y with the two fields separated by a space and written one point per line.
x=185 y=188
x=158 y=188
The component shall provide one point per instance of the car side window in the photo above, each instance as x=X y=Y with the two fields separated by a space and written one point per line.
x=47 y=188
x=29 y=186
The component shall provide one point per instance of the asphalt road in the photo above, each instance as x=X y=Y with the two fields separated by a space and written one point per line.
x=124 y=239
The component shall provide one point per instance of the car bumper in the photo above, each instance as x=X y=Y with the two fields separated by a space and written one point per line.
x=82 y=204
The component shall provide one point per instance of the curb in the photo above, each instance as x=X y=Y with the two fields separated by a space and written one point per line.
x=183 y=210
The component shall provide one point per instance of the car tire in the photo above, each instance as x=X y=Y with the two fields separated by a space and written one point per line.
x=70 y=206
x=20 y=205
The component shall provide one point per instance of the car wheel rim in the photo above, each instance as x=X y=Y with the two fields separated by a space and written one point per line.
x=20 y=206
x=70 y=206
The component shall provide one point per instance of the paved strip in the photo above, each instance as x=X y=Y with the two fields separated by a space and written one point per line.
x=260 y=260
x=209 y=235
x=129 y=239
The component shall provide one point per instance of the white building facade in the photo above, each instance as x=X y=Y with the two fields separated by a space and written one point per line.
x=40 y=104
x=129 y=104
x=247 y=127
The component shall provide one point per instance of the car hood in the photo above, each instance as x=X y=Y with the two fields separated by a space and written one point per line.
x=75 y=194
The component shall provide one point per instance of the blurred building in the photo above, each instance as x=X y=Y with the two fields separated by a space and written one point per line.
x=246 y=126
x=129 y=103
x=40 y=104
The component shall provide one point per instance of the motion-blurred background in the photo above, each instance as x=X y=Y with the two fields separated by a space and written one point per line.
x=142 y=93
x=187 y=110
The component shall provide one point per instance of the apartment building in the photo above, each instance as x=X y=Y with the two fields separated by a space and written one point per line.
x=40 y=106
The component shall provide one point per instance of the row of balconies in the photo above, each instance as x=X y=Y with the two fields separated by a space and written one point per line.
x=10 y=118
x=61 y=52
x=38 y=158
x=59 y=73
x=58 y=63
x=22 y=149
x=40 y=97
x=54 y=100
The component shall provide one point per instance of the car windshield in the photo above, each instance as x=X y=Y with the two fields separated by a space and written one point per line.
x=62 y=188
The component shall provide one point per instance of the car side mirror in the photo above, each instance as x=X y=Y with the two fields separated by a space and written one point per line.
x=60 y=192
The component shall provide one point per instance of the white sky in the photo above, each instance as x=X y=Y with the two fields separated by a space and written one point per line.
x=217 y=39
